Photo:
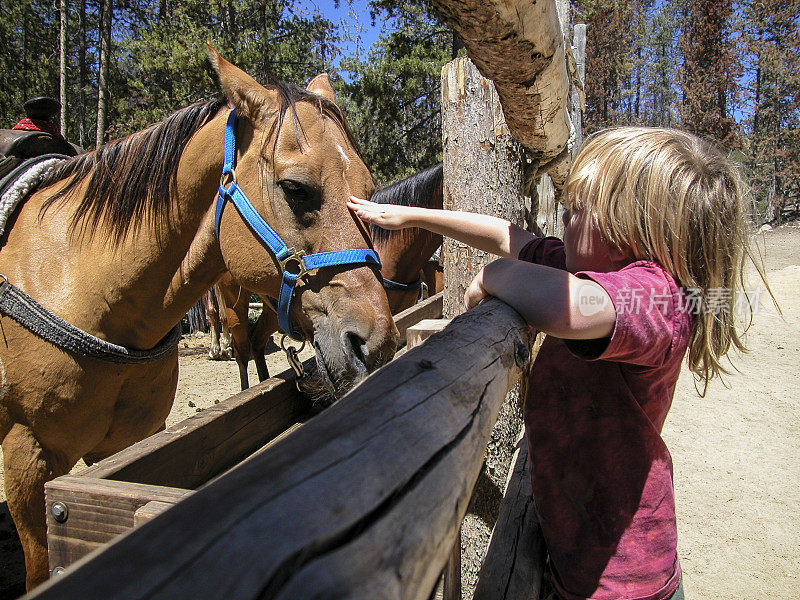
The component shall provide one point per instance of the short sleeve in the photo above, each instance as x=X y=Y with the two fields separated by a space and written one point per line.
x=547 y=251
x=649 y=320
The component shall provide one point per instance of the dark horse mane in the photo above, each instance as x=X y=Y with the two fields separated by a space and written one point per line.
x=132 y=179
x=416 y=190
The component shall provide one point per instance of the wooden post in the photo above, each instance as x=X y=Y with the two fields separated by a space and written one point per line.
x=483 y=172
x=482 y=169
x=515 y=560
x=579 y=52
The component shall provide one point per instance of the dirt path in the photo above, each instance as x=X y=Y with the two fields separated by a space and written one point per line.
x=736 y=455
x=736 y=452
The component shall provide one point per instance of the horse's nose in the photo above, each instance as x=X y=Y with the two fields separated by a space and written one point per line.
x=356 y=349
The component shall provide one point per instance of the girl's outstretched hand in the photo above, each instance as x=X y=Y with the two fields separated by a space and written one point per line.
x=387 y=216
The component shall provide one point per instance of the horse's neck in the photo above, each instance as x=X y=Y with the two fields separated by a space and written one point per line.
x=135 y=291
x=187 y=259
x=403 y=257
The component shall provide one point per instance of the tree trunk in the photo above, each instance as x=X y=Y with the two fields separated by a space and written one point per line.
x=62 y=63
x=519 y=46
x=105 y=57
x=482 y=173
x=82 y=74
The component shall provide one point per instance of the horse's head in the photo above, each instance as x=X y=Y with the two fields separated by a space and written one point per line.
x=297 y=163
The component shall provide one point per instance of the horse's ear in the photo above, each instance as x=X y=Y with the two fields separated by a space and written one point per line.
x=241 y=90
x=321 y=86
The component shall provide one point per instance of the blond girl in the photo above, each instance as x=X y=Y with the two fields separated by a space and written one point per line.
x=655 y=241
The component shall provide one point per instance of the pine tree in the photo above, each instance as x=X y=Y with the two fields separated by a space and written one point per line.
x=28 y=55
x=661 y=67
x=393 y=95
x=608 y=60
x=709 y=71
x=772 y=39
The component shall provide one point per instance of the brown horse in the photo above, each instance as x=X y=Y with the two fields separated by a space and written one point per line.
x=406 y=267
x=405 y=253
x=121 y=242
x=247 y=343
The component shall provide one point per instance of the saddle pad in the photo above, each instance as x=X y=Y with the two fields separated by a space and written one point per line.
x=22 y=181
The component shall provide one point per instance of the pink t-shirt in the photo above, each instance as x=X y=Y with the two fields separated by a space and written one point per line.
x=601 y=474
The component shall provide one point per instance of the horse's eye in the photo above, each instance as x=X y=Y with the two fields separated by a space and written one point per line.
x=302 y=199
x=294 y=190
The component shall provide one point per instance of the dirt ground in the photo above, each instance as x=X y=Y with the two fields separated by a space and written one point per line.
x=736 y=452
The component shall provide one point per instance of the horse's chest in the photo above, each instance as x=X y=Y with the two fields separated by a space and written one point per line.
x=144 y=401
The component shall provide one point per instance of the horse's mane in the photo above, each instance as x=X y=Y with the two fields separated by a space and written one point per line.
x=416 y=190
x=291 y=94
x=131 y=179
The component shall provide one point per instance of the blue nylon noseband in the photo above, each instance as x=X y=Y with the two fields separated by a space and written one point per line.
x=283 y=254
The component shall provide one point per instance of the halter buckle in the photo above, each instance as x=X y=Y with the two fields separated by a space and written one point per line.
x=296 y=256
x=231 y=174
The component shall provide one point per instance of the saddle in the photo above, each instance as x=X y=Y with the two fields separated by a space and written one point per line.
x=17 y=147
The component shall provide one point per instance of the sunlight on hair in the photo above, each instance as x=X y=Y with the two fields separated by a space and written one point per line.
x=671 y=197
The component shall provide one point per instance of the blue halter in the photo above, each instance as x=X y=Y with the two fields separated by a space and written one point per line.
x=285 y=256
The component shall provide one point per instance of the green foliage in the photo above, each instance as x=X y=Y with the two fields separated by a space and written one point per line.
x=392 y=97
x=771 y=34
x=28 y=51
x=162 y=64
x=729 y=69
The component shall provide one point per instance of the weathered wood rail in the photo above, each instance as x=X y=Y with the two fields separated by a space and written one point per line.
x=88 y=510
x=362 y=501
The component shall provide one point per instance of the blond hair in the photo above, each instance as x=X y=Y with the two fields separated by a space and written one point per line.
x=673 y=198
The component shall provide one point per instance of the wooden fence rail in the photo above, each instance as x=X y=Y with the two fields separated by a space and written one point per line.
x=86 y=511
x=362 y=501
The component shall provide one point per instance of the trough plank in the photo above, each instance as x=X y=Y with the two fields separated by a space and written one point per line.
x=364 y=500
x=194 y=450
x=191 y=452
x=150 y=510
x=97 y=511
x=430 y=308
x=416 y=334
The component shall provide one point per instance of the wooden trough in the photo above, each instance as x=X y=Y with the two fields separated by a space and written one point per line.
x=363 y=501
x=88 y=510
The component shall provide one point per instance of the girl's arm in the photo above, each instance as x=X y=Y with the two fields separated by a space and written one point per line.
x=491 y=234
x=550 y=300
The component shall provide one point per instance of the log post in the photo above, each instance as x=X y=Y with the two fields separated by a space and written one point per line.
x=577 y=97
x=518 y=44
x=483 y=172
x=482 y=169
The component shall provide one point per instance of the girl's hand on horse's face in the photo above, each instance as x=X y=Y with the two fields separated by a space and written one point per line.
x=475 y=292
x=387 y=216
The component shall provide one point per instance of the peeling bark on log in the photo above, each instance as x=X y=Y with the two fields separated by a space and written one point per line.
x=519 y=45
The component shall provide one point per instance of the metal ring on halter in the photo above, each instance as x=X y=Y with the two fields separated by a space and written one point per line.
x=295 y=256
x=291 y=356
x=232 y=174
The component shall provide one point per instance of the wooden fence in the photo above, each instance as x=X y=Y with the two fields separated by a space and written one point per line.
x=364 y=500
